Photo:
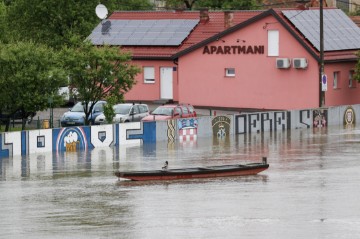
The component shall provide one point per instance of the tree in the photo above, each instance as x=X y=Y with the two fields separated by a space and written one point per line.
x=54 y=22
x=2 y=21
x=29 y=74
x=99 y=73
x=109 y=110
x=357 y=69
x=212 y=4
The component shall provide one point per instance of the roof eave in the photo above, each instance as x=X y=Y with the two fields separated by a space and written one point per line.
x=242 y=25
x=158 y=58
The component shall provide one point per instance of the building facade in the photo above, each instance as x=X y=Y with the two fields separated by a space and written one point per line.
x=240 y=59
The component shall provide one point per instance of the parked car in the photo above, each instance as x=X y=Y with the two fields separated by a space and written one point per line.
x=171 y=111
x=76 y=115
x=126 y=113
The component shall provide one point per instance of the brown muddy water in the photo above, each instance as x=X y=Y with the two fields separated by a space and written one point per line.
x=311 y=190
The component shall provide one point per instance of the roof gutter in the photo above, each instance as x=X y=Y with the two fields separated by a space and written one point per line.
x=159 y=58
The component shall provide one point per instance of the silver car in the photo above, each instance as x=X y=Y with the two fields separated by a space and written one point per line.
x=126 y=113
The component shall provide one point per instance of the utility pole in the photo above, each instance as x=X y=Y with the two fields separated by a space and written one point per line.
x=321 y=70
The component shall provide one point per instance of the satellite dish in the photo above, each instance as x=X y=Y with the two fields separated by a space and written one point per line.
x=101 y=11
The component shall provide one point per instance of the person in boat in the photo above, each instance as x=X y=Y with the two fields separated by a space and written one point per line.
x=165 y=167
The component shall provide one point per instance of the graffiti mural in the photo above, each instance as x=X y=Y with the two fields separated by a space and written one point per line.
x=10 y=144
x=261 y=122
x=319 y=118
x=102 y=135
x=305 y=118
x=82 y=138
x=349 y=116
x=221 y=126
x=187 y=130
x=39 y=141
x=71 y=139
x=171 y=130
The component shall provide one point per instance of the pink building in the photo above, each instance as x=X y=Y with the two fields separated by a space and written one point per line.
x=239 y=59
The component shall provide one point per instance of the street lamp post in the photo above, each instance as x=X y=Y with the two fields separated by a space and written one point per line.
x=50 y=101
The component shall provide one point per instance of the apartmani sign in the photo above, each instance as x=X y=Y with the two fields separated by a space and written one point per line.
x=233 y=50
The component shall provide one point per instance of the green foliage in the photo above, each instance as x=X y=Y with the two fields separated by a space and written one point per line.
x=129 y=5
x=212 y=4
x=108 y=108
x=98 y=72
x=55 y=23
x=357 y=69
x=3 y=25
x=29 y=74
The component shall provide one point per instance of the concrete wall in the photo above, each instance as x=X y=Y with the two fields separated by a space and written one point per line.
x=73 y=139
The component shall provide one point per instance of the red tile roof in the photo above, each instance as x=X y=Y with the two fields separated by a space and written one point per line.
x=202 y=31
x=209 y=29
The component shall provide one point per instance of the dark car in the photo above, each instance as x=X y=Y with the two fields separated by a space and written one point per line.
x=171 y=111
x=76 y=116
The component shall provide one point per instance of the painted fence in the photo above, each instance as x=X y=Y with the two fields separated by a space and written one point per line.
x=74 y=139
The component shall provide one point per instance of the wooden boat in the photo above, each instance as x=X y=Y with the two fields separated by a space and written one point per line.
x=197 y=172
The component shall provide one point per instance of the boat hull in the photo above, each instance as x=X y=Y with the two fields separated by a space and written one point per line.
x=189 y=173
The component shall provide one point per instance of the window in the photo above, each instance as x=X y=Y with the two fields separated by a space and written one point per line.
x=99 y=107
x=143 y=109
x=178 y=111
x=230 y=72
x=185 y=110
x=149 y=74
x=191 y=109
x=135 y=110
x=273 y=43
x=352 y=83
x=336 y=80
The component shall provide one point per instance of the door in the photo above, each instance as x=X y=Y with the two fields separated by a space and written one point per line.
x=166 y=83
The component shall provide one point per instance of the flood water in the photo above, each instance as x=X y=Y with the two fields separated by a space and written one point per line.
x=311 y=190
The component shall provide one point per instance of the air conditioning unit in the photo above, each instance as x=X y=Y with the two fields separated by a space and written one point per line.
x=283 y=63
x=300 y=63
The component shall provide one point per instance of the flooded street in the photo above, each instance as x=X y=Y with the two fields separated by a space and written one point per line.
x=311 y=190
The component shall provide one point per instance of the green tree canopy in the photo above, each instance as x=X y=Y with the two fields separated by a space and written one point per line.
x=29 y=74
x=3 y=24
x=212 y=4
x=357 y=69
x=55 y=23
x=99 y=73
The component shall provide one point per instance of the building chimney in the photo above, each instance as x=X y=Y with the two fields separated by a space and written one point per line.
x=228 y=19
x=204 y=15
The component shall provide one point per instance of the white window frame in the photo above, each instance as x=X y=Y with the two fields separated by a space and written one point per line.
x=273 y=43
x=230 y=72
x=352 y=83
x=149 y=74
x=336 y=79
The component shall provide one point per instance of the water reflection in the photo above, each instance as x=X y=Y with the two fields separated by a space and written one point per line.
x=133 y=184
x=310 y=190
x=291 y=145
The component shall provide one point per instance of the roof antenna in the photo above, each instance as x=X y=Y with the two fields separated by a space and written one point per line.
x=102 y=12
